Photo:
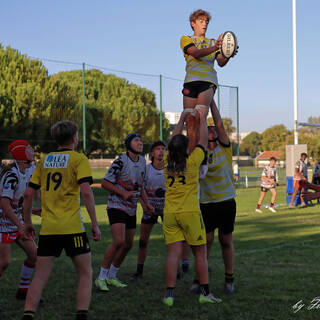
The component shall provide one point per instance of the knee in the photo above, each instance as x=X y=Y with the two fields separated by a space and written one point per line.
x=128 y=245
x=143 y=244
x=118 y=244
x=32 y=257
x=225 y=245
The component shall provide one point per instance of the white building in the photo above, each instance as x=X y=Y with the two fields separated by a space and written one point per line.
x=172 y=117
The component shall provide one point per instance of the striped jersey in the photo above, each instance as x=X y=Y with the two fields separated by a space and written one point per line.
x=200 y=69
x=58 y=175
x=128 y=175
x=155 y=187
x=302 y=168
x=13 y=185
x=271 y=173
x=218 y=183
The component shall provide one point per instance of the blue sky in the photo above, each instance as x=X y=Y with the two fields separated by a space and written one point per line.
x=143 y=36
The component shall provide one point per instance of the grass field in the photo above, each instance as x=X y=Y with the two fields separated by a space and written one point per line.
x=276 y=266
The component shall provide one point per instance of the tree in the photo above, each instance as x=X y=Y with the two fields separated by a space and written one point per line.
x=251 y=144
x=227 y=123
x=25 y=91
x=276 y=138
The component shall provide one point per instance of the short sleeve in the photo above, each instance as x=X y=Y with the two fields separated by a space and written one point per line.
x=198 y=155
x=185 y=43
x=35 y=180
x=84 y=171
x=115 y=170
x=10 y=183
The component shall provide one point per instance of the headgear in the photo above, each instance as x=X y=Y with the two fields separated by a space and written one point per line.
x=21 y=150
x=128 y=140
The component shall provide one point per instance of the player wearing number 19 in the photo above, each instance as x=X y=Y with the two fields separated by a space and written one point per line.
x=61 y=176
x=182 y=217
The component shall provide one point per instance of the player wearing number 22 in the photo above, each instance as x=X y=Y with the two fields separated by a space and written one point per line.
x=61 y=176
x=182 y=217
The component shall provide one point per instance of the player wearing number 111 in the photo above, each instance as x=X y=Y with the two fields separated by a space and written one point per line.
x=61 y=176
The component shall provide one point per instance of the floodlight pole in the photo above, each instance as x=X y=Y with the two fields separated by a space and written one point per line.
x=295 y=72
x=84 y=129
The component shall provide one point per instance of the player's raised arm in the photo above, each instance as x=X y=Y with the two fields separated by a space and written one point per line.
x=192 y=50
x=222 y=135
x=179 y=127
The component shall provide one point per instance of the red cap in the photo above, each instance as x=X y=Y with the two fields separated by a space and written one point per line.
x=20 y=150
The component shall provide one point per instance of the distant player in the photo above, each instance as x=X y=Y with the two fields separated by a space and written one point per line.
x=182 y=217
x=236 y=172
x=301 y=173
x=217 y=198
x=201 y=80
x=124 y=180
x=154 y=185
x=269 y=180
x=62 y=175
x=14 y=179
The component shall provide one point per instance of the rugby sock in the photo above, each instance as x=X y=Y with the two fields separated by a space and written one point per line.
x=103 y=273
x=140 y=268
x=271 y=205
x=113 y=272
x=169 y=292
x=258 y=206
x=204 y=289
x=28 y=315
x=82 y=315
x=25 y=276
x=229 y=277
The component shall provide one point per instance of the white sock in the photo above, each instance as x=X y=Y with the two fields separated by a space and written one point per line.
x=25 y=276
x=113 y=272
x=103 y=273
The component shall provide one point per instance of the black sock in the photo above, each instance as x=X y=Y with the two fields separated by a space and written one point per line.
x=229 y=277
x=204 y=289
x=196 y=281
x=82 y=315
x=169 y=292
x=28 y=315
x=140 y=268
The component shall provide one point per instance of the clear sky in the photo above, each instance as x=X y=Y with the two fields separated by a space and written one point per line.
x=143 y=36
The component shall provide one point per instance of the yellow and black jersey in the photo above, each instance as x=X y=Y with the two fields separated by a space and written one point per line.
x=182 y=189
x=200 y=69
x=59 y=175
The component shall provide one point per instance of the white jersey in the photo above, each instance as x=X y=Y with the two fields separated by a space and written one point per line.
x=128 y=175
x=13 y=185
x=302 y=168
x=271 y=173
x=155 y=187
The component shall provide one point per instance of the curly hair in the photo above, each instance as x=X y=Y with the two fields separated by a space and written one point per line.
x=199 y=13
x=178 y=154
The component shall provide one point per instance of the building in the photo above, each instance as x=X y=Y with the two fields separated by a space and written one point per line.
x=263 y=159
x=172 y=117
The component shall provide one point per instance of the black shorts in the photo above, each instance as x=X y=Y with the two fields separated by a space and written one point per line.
x=219 y=215
x=151 y=219
x=119 y=216
x=73 y=244
x=264 y=189
x=194 y=88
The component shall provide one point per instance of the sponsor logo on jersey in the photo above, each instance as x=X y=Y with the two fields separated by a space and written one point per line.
x=57 y=161
x=7 y=186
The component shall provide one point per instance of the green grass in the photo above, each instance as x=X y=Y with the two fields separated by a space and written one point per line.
x=276 y=266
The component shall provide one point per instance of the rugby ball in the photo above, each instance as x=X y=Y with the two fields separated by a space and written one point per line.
x=229 y=44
